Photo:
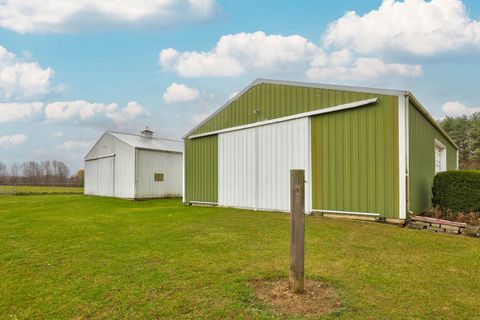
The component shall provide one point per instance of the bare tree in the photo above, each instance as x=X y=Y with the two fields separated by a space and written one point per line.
x=3 y=172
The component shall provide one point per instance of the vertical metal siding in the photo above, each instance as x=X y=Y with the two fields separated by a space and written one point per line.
x=91 y=177
x=150 y=162
x=201 y=169
x=275 y=101
x=422 y=135
x=355 y=154
x=124 y=165
x=237 y=169
x=105 y=176
x=281 y=147
x=254 y=165
x=355 y=159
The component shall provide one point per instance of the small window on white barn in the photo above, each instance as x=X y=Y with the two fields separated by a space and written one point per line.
x=440 y=157
x=158 y=177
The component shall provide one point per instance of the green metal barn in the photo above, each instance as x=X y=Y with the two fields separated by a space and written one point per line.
x=368 y=152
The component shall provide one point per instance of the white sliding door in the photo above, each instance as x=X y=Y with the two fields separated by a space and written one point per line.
x=254 y=165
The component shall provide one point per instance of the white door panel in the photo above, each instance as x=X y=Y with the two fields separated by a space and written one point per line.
x=254 y=165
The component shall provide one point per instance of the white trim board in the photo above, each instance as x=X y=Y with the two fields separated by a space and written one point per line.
x=348 y=212
x=402 y=156
x=350 y=105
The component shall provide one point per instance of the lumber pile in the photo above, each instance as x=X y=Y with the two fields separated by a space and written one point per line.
x=436 y=225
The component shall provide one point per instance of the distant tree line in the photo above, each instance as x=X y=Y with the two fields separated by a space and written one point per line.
x=465 y=131
x=39 y=173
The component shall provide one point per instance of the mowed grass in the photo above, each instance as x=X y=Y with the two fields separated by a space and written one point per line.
x=23 y=190
x=71 y=256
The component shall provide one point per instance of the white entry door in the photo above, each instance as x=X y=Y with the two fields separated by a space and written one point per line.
x=254 y=165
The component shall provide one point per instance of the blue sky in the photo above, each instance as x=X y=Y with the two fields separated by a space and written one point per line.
x=69 y=70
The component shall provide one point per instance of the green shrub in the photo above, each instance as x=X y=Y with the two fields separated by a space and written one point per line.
x=457 y=190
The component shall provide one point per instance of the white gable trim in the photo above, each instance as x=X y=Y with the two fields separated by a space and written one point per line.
x=292 y=117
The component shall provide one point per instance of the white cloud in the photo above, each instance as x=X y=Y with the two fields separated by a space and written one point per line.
x=232 y=95
x=19 y=79
x=249 y=52
x=13 y=140
x=19 y=111
x=131 y=112
x=236 y=53
x=83 y=110
x=360 y=68
x=413 y=26
x=77 y=145
x=79 y=15
x=178 y=93
x=66 y=110
x=455 y=109
x=58 y=134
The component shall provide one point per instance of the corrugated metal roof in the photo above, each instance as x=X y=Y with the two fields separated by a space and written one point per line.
x=139 y=141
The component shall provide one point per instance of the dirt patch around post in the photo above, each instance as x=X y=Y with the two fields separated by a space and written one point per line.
x=318 y=297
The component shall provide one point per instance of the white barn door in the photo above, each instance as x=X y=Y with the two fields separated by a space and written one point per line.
x=105 y=184
x=254 y=165
x=282 y=147
x=236 y=169
x=91 y=177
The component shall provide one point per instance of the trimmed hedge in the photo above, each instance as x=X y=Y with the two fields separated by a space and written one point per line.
x=457 y=190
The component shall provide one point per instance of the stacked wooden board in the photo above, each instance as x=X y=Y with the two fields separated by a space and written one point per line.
x=437 y=225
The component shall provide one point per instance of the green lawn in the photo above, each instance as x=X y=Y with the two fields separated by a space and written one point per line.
x=71 y=256
x=21 y=190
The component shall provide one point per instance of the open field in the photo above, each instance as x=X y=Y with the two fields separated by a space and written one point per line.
x=19 y=190
x=71 y=256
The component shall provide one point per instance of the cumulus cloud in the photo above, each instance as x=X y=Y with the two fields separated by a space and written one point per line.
x=359 y=68
x=58 y=134
x=32 y=16
x=416 y=27
x=179 y=93
x=455 y=109
x=239 y=53
x=236 y=53
x=20 y=79
x=78 y=145
x=19 y=111
x=84 y=110
x=131 y=112
x=13 y=140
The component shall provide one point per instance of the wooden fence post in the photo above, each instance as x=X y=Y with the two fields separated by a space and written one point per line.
x=297 y=231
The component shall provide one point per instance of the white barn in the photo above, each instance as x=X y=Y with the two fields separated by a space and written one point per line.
x=134 y=166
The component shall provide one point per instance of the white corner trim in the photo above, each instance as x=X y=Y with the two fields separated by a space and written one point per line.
x=292 y=117
x=184 y=197
x=348 y=212
x=402 y=156
x=457 y=159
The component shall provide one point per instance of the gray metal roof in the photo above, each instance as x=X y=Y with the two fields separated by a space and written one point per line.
x=141 y=142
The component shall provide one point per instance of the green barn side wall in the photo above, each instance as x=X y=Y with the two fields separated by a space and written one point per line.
x=275 y=101
x=378 y=122
x=355 y=158
x=422 y=135
x=201 y=169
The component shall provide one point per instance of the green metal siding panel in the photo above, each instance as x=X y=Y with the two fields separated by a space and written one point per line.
x=355 y=157
x=422 y=135
x=201 y=169
x=269 y=101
